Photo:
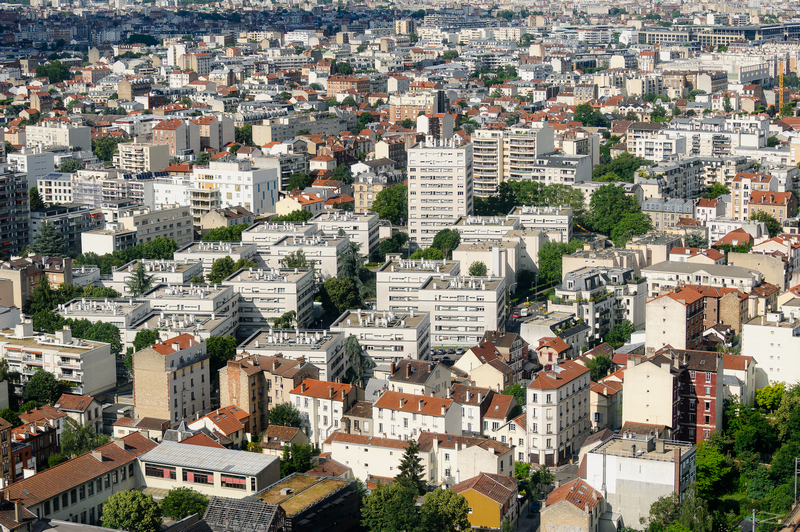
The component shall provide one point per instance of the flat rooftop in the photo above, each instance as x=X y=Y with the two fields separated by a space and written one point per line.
x=380 y=319
x=104 y=307
x=280 y=227
x=46 y=341
x=785 y=323
x=302 y=492
x=431 y=266
x=485 y=245
x=274 y=275
x=209 y=458
x=503 y=221
x=343 y=216
x=186 y=291
x=549 y=319
x=223 y=248
x=290 y=340
x=150 y=266
x=534 y=210
x=478 y=284
x=645 y=448
x=183 y=322
x=315 y=240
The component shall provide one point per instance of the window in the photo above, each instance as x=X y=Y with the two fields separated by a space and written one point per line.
x=73 y=496
x=46 y=507
x=446 y=457
x=239 y=483
x=65 y=500
x=198 y=477
x=55 y=504
x=708 y=406
x=82 y=492
x=90 y=488
x=534 y=398
x=469 y=510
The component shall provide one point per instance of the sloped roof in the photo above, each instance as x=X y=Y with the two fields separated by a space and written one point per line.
x=578 y=493
x=500 y=488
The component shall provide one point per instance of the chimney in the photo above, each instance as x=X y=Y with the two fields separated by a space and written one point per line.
x=402 y=402
x=120 y=443
x=330 y=392
x=480 y=397
x=97 y=455
x=421 y=403
x=392 y=368
x=444 y=409
x=19 y=511
x=303 y=387
x=408 y=371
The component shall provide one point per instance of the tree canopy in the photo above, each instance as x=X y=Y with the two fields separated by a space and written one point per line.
x=299 y=215
x=77 y=439
x=35 y=198
x=608 y=206
x=392 y=204
x=285 y=415
x=140 y=282
x=477 y=269
x=132 y=511
x=42 y=388
x=550 y=254
x=158 y=248
x=623 y=166
x=411 y=469
x=48 y=241
x=446 y=241
x=231 y=233
x=774 y=227
x=183 y=502
x=224 y=267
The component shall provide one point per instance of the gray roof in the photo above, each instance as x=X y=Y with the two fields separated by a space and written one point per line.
x=209 y=458
x=233 y=515
x=722 y=270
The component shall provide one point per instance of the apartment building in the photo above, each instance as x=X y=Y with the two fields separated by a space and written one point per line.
x=255 y=382
x=779 y=205
x=239 y=182
x=463 y=309
x=558 y=412
x=132 y=87
x=452 y=458
x=340 y=84
x=675 y=319
x=440 y=187
x=169 y=221
x=181 y=136
x=368 y=185
x=266 y=295
x=70 y=219
x=522 y=147
x=15 y=222
x=409 y=105
x=215 y=132
x=665 y=276
x=744 y=185
x=483 y=228
x=58 y=133
x=287 y=127
x=35 y=164
x=88 y=364
x=164 y=272
x=642 y=464
x=323 y=349
x=398 y=281
x=666 y=213
x=550 y=220
x=487 y=147
x=407 y=415
x=474 y=402
x=25 y=274
x=55 y=187
x=264 y=234
x=359 y=228
x=320 y=250
x=76 y=490
x=416 y=377
x=773 y=339
x=322 y=404
x=388 y=336
x=208 y=252
x=171 y=379
x=135 y=157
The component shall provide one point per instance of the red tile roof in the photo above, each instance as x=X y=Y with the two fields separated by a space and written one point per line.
x=500 y=488
x=418 y=404
x=167 y=347
x=201 y=440
x=322 y=389
x=561 y=375
x=73 y=403
x=577 y=492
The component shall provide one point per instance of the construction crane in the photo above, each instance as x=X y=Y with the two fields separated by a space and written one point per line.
x=780 y=86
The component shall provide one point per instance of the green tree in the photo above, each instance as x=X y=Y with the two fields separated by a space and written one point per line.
x=631 y=224
x=344 y=68
x=70 y=166
x=231 y=233
x=285 y=415
x=517 y=391
x=42 y=388
x=299 y=215
x=598 y=367
x=477 y=269
x=224 y=267
x=407 y=123
x=444 y=511
x=285 y=320
x=77 y=439
x=550 y=254
x=243 y=135
x=10 y=148
x=104 y=147
x=220 y=349
x=695 y=240
x=391 y=508
x=349 y=100
x=296 y=259
x=143 y=38
x=145 y=338
x=625 y=165
x=427 y=254
x=343 y=174
x=726 y=103
x=712 y=468
x=446 y=240
x=769 y=397
x=392 y=204
x=609 y=205
x=9 y=415
x=449 y=55
x=588 y=116
x=55 y=459
x=774 y=227
x=301 y=181
x=43 y=298
x=140 y=282
x=338 y=295
x=48 y=241
x=55 y=71
x=619 y=334
x=183 y=502
x=411 y=468
x=360 y=362
x=35 y=198
x=132 y=511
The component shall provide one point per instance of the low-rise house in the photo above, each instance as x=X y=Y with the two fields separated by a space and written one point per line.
x=276 y=437
x=474 y=402
x=492 y=500
x=322 y=404
x=230 y=421
x=406 y=415
x=417 y=377
x=575 y=505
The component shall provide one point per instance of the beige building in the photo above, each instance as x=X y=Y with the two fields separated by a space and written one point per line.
x=254 y=382
x=367 y=187
x=417 y=377
x=171 y=379
x=320 y=348
x=408 y=415
x=557 y=412
x=322 y=404
x=388 y=339
x=439 y=188
x=138 y=158
x=361 y=229
x=170 y=221
x=575 y=506
x=398 y=281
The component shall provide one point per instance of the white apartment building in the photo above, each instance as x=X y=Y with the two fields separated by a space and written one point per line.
x=514 y=432
x=208 y=252
x=264 y=234
x=550 y=220
x=665 y=276
x=170 y=221
x=388 y=337
x=398 y=281
x=135 y=157
x=321 y=250
x=474 y=401
x=268 y=294
x=418 y=377
x=35 y=164
x=407 y=415
x=163 y=272
x=370 y=455
x=439 y=187
x=105 y=241
x=55 y=187
x=323 y=349
x=192 y=299
x=239 y=183
x=54 y=134
x=359 y=228
x=456 y=458
x=558 y=413
x=501 y=258
x=123 y=314
x=88 y=364
x=774 y=341
x=720 y=227
x=322 y=404
x=657 y=147
x=481 y=228
x=462 y=309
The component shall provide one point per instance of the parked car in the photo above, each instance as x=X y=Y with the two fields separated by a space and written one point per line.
x=460 y=351
x=515 y=315
x=440 y=352
x=451 y=351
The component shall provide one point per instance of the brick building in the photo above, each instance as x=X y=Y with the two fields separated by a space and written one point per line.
x=337 y=84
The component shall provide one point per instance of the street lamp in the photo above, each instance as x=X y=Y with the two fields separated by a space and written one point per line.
x=796 y=459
